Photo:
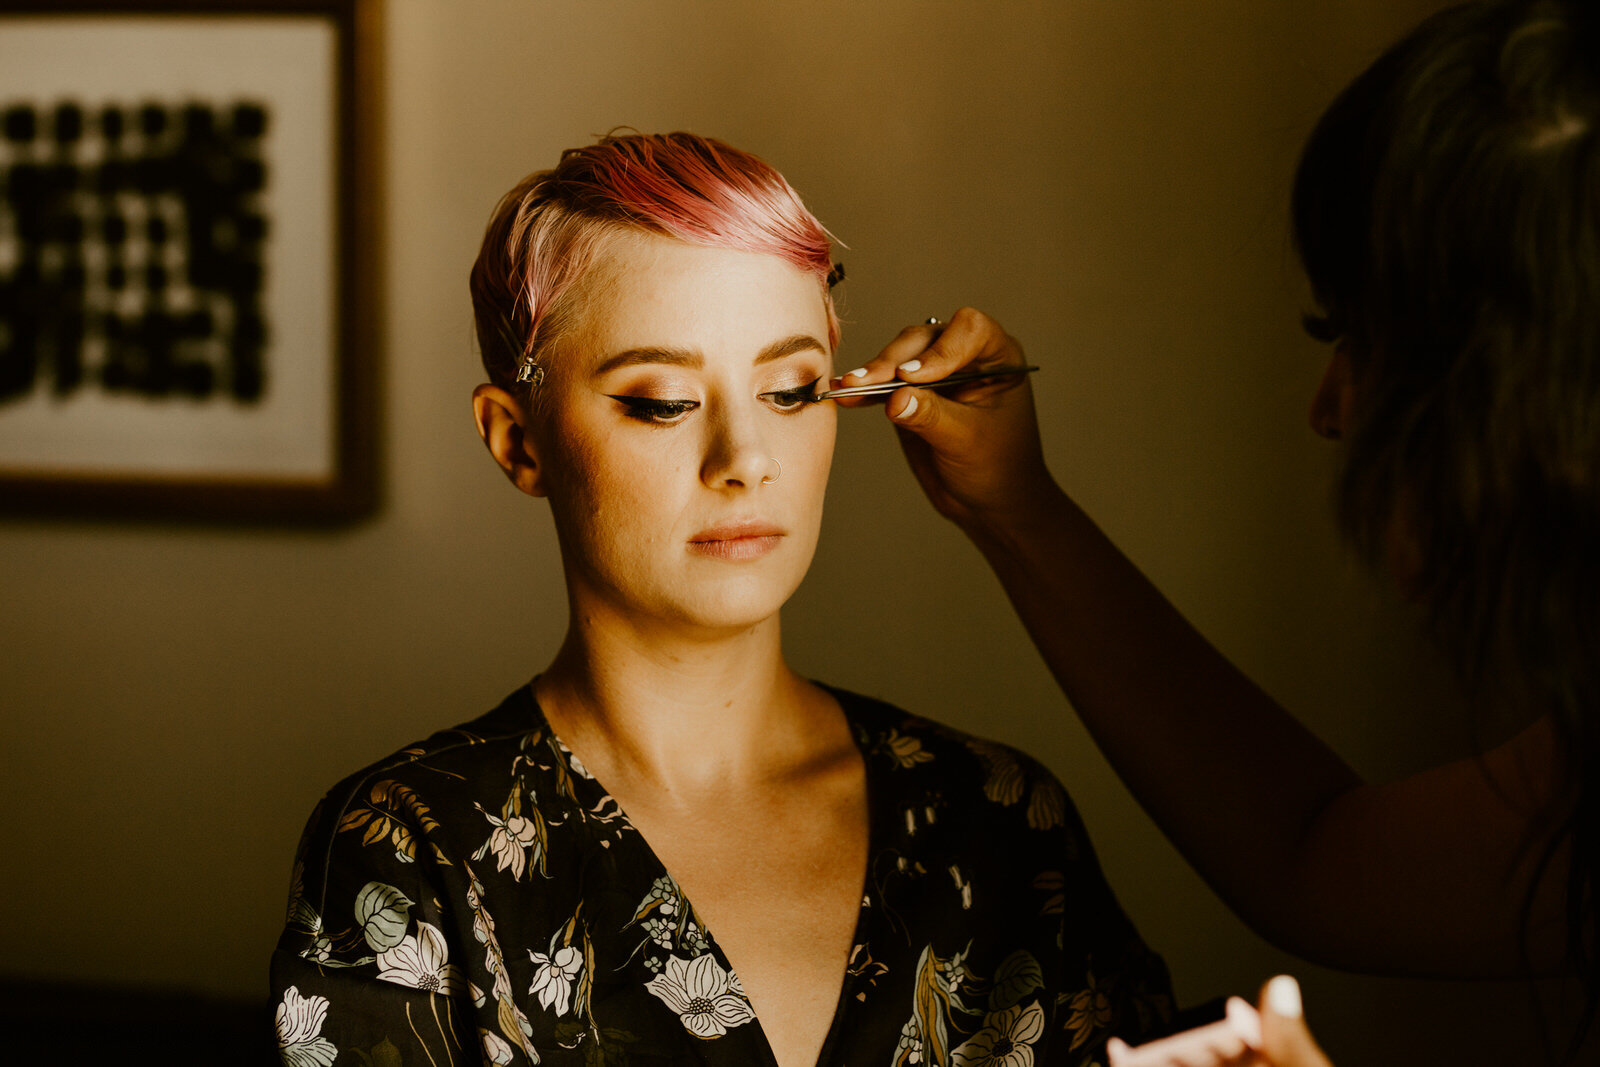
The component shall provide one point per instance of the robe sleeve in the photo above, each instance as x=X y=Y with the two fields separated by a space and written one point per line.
x=367 y=969
x=1115 y=985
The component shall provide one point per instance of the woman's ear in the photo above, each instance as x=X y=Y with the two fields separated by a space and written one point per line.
x=503 y=423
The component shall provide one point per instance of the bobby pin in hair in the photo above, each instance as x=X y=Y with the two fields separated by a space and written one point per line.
x=529 y=372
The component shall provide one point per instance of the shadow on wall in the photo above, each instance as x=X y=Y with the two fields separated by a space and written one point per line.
x=47 y=1022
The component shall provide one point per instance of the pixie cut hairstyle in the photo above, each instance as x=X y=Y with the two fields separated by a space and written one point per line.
x=546 y=234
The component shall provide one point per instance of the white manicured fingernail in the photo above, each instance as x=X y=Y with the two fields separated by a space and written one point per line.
x=909 y=410
x=911 y=366
x=859 y=372
x=1245 y=1022
x=1283 y=996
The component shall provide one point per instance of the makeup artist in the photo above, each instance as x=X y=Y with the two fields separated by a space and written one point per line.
x=1447 y=212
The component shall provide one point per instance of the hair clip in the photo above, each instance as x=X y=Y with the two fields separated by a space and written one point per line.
x=529 y=372
x=836 y=275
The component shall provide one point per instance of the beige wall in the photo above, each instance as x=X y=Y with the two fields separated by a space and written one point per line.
x=1108 y=177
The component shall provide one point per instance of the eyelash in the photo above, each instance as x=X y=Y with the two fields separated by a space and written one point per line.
x=794 y=398
x=667 y=412
x=648 y=409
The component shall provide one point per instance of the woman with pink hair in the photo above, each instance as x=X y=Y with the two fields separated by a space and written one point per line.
x=669 y=847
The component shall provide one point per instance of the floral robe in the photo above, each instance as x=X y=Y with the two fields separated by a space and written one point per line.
x=481 y=898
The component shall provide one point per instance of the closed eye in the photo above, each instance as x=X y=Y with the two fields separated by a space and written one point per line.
x=649 y=409
x=792 y=399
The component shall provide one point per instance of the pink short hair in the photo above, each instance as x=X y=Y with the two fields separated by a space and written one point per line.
x=545 y=233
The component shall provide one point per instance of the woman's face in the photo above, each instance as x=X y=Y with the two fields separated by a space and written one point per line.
x=1334 y=409
x=683 y=491
x=1332 y=406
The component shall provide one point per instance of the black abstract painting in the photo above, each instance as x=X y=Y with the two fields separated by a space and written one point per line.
x=131 y=249
x=189 y=242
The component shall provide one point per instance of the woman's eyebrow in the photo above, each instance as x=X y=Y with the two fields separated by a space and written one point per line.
x=680 y=357
x=687 y=357
x=788 y=347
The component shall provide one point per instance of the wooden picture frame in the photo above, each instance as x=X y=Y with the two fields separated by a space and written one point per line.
x=189 y=259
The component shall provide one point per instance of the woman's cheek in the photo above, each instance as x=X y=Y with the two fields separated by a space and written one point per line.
x=813 y=444
x=633 y=496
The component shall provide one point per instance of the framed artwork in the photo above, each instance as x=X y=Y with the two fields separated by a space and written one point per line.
x=188 y=258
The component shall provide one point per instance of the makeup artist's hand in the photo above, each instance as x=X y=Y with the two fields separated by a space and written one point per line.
x=975 y=449
x=1276 y=1036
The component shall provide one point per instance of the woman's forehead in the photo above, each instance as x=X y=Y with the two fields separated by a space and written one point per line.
x=658 y=292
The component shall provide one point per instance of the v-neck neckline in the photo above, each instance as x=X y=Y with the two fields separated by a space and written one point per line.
x=864 y=908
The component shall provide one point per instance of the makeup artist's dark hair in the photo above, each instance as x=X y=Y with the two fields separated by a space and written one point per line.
x=1447 y=211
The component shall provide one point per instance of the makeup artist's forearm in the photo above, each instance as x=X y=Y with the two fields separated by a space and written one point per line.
x=1231 y=778
x=1423 y=876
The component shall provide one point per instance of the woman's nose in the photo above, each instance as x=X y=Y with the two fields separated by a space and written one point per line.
x=1330 y=406
x=736 y=455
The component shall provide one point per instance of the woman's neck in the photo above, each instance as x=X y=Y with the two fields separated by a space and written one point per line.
x=689 y=713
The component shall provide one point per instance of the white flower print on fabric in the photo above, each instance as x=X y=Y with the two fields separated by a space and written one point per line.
x=553 y=977
x=513 y=841
x=908 y=1050
x=668 y=923
x=299 y=1023
x=963 y=886
x=513 y=1023
x=937 y=999
x=482 y=921
x=495 y=1049
x=704 y=996
x=925 y=815
x=420 y=962
x=1006 y=1039
x=576 y=764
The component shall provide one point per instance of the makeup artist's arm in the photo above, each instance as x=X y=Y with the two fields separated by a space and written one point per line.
x=1421 y=876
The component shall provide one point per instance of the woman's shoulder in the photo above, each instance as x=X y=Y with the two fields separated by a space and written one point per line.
x=983 y=775
x=426 y=801
x=409 y=827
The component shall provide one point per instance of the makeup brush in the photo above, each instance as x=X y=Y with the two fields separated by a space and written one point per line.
x=885 y=388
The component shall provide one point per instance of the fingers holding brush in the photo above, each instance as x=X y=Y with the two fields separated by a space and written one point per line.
x=973 y=446
x=970 y=341
x=906 y=349
x=933 y=350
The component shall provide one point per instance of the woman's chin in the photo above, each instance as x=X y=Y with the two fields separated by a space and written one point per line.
x=709 y=597
x=731 y=617
x=730 y=607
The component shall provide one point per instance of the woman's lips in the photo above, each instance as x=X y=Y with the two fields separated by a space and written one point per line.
x=739 y=540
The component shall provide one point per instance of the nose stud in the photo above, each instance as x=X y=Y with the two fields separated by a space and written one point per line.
x=770 y=478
